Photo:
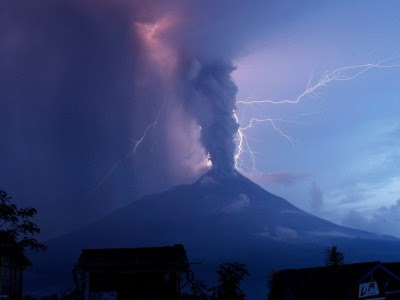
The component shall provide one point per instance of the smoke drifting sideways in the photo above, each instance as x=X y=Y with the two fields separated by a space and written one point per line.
x=82 y=79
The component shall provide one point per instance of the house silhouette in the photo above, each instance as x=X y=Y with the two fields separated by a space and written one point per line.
x=369 y=280
x=132 y=273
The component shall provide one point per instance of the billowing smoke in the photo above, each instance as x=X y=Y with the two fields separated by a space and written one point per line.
x=209 y=95
x=82 y=79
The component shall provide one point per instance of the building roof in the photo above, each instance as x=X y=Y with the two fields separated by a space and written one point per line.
x=148 y=259
x=321 y=280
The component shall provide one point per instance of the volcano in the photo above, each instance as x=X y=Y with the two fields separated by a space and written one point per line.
x=218 y=218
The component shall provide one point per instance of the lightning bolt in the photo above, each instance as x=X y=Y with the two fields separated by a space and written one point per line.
x=132 y=152
x=243 y=140
x=340 y=74
x=346 y=73
x=150 y=126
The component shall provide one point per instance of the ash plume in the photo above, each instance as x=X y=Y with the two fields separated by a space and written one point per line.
x=83 y=79
x=209 y=96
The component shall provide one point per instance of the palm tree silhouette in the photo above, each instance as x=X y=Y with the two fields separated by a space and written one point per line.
x=333 y=257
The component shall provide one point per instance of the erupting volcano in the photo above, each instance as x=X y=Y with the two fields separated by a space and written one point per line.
x=104 y=101
x=220 y=217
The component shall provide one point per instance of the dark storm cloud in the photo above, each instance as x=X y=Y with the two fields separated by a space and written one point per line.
x=227 y=28
x=79 y=85
x=75 y=95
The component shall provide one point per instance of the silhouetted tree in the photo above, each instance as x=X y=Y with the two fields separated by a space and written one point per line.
x=16 y=228
x=199 y=290
x=229 y=276
x=333 y=257
x=71 y=295
x=275 y=285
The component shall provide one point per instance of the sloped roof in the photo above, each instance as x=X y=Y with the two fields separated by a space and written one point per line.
x=309 y=282
x=148 y=259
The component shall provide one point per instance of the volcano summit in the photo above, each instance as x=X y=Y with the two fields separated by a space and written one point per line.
x=218 y=218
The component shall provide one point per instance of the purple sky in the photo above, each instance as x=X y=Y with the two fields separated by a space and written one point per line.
x=81 y=82
x=346 y=138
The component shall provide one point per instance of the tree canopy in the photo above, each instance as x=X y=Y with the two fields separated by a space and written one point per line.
x=334 y=257
x=229 y=276
x=16 y=227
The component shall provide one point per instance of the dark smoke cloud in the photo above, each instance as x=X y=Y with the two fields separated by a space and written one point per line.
x=209 y=95
x=79 y=85
x=76 y=91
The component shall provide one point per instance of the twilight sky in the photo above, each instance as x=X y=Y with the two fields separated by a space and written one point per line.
x=82 y=81
x=343 y=164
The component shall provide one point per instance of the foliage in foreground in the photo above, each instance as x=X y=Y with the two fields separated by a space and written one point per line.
x=230 y=276
x=333 y=257
x=16 y=227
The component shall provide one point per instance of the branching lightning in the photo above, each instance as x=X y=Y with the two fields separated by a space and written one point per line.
x=150 y=126
x=242 y=139
x=340 y=74
x=243 y=143
x=132 y=152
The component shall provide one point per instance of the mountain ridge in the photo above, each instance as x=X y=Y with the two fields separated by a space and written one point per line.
x=219 y=217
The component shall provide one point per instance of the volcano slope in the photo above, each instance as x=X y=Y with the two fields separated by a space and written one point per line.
x=218 y=218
